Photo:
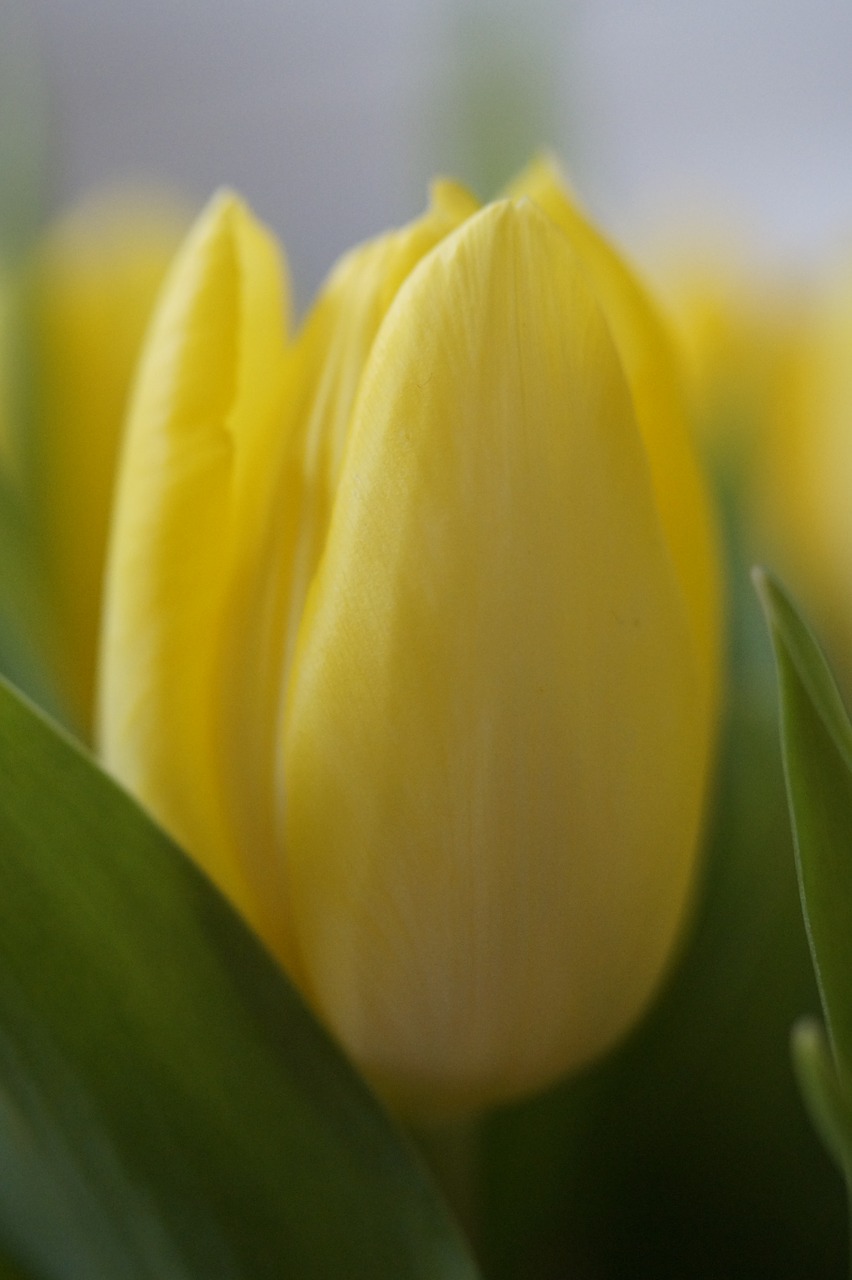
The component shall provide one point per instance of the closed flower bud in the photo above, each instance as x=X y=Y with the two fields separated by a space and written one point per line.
x=411 y=631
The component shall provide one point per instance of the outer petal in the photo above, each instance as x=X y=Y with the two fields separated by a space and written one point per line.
x=96 y=279
x=493 y=753
x=194 y=491
x=661 y=410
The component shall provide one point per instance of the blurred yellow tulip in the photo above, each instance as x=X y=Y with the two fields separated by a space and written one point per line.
x=772 y=387
x=411 y=631
x=744 y=334
x=813 y=473
x=6 y=371
x=94 y=281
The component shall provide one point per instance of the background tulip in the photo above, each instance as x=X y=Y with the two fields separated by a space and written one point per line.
x=770 y=378
x=410 y=632
x=814 y=471
x=93 y=282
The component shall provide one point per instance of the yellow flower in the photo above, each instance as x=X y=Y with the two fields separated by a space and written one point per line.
x=744 y=335
x=94 y=281
x=411 y=631
x=7 y=324
x=812 y=475
x=769 y=362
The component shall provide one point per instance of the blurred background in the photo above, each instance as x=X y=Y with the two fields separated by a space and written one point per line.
x=332 y=117
x=688 y=1152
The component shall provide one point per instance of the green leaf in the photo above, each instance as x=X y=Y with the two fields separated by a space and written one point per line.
x=9 y=1271
x=168 y=1108
x=816 y=739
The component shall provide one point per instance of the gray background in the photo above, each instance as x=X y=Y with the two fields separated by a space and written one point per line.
x=331 y=117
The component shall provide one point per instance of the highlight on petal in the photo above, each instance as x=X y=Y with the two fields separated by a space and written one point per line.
x=495 y=748
x=662 y=413
x=96 y=276
x=194 y=490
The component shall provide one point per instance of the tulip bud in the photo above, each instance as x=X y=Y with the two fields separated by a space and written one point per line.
x=411 y=632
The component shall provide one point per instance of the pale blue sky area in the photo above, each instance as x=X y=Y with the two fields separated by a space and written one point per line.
x=331 y=117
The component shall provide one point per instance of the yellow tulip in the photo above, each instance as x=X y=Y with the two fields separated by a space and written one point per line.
x=411 y=631
x=769 y=373
x=744 y=336
x=6 y=371
x=812 y=475
x=94 y=281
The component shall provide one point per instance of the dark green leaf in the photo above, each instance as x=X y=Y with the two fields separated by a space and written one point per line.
x=167 y=1106
x=817 y=748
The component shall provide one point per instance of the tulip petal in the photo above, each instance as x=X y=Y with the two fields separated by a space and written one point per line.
x=328 y=362
x=661 y=411
x=193 y=495
x=493 y=752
